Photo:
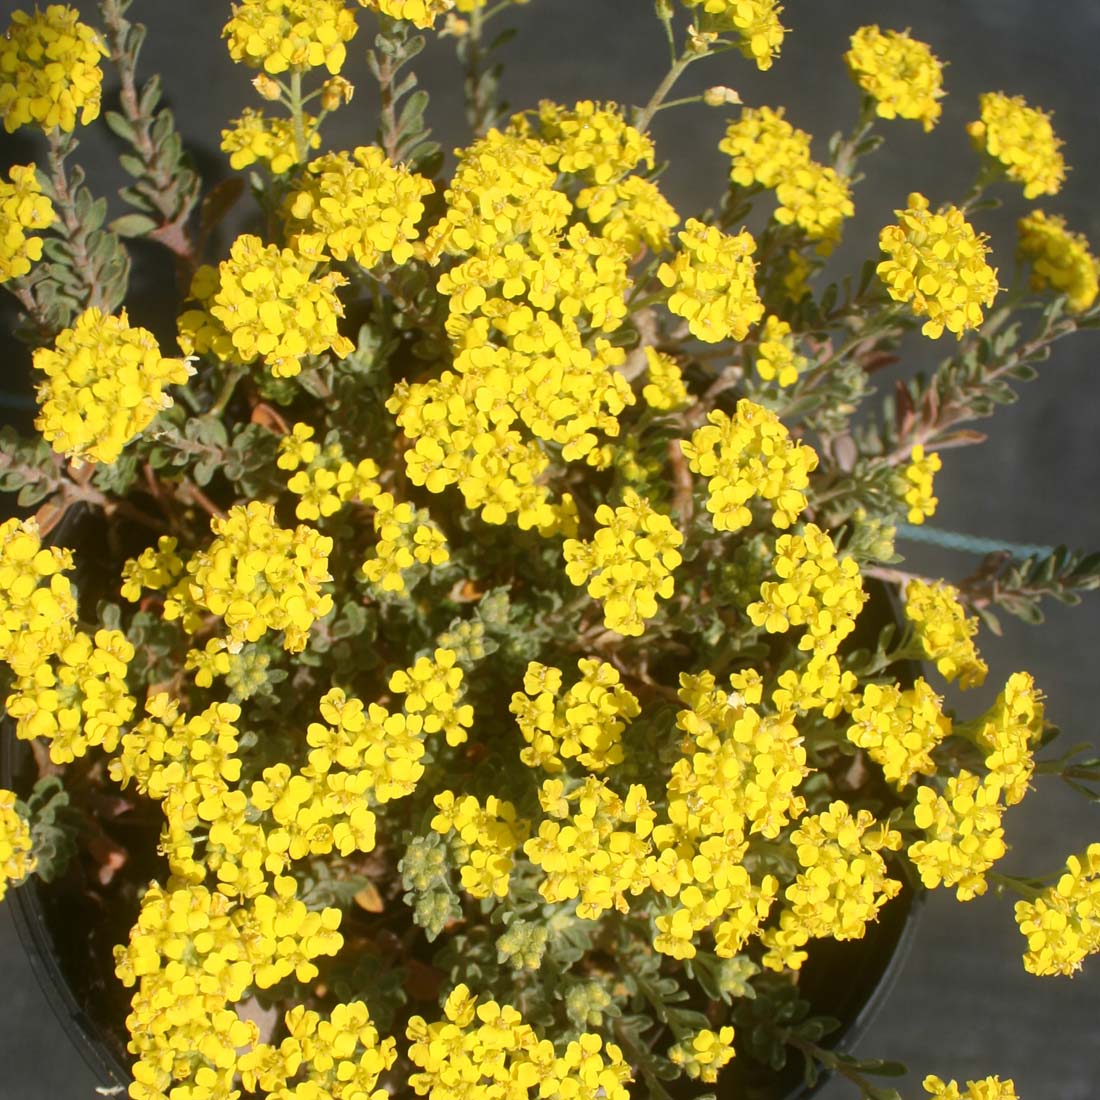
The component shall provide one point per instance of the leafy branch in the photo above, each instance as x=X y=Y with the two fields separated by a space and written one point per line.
x=402 y=132
x=165 y=190
x=1018 y=585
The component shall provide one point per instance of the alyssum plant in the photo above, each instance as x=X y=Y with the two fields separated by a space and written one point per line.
x=473 y=620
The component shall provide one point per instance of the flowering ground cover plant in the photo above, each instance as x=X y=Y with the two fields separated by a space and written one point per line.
x=478 y=632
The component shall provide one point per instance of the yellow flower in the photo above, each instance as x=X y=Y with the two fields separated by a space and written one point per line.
x=104 y=385
x=944 y=632
x=421 y=13
x=665 y=389
x=755 y=21
x=1062 y=925
x=899 y=729
x=901 y=74
x=1059 y=259
x=49 y=70
x=703 y=1053
x=816 y=199
x=254 y=137
x=22 y=207
x=988 y=1088
x=1007 y=732
x=628 y=563
x=712 y=280
x=964 y=834
x=357 y=205
x=776 y=357
x=632 y=212
x=764 y=147
x=749 y=455
x=294 y=35
x=590 y=140
x=37 y=620
x=1022 y=139
x=915 y=484
x=937 y=264
x=257 y=576
x=263 y=303
x=17 y=858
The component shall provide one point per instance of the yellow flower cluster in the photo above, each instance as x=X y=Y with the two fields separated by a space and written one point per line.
x=485 y=1049
x=819 y=684
x=914 y=485
x=816 y=199
x=294 y=35
x=324 y=479
x=937 y=264
x=78 y=699
x=900 y=74
x=712 y=282
x=194 y=952
x=519 y=305
x=988 y=1088
x=965 y=838
x=421 y=13
x=776 y=357
x=340 y=1058
x=755 y=21
x=262 y=303
x=502 y=190
x=17 y=858
x=1022 y=139
x=703 y=1054
x=590 y=140
x=739 y=774
x=603 y=850
x=49 y=63
x=585 y=724
x=1059 y=259
x=37 y=620
x=665 y=389
x=406 y=537
x=899 y=729
x=356 y=205
x=104 y=385
x=764 y=147
x=22 y=207
x=628 y=563
x=945 y=633
x=816 y=589
x=842 y=885
x=1008 y=730
x=373 y=752
x=433 y=692
x=632 y=212
x=255 y=137
x=746 y=456
x=486 y=837
x=257 y=577
x=767 y=150
x=155 y=567
x=1062 y=925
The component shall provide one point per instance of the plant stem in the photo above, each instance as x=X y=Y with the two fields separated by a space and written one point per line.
x=74 y=232
x=297 y=111
x=234 y=375
x=478 y=111
x=661 y=93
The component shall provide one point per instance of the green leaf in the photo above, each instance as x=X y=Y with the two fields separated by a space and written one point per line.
x=133 y=225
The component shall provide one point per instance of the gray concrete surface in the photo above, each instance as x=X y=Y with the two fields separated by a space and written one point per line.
x=963 y=1006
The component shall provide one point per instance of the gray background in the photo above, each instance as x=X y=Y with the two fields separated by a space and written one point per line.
x=963 y=1006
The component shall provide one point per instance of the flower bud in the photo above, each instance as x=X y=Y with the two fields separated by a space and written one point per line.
x=336 y=91
x=720 y=95
x=267 y=87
